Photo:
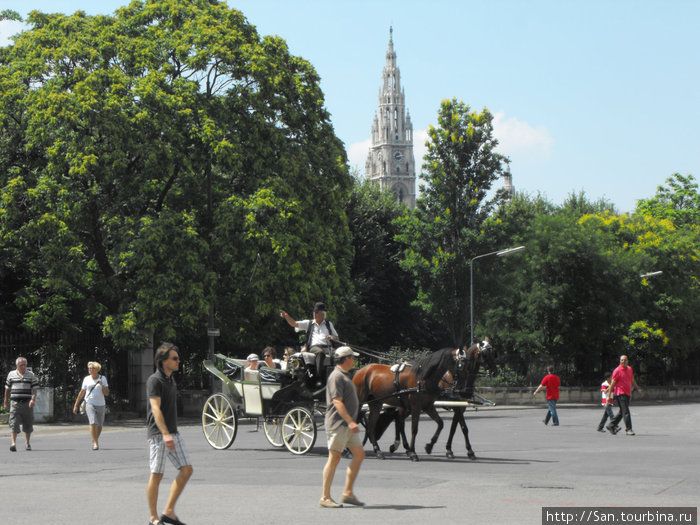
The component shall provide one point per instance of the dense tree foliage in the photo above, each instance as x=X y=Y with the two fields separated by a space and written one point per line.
x=379 y=314
x=167 y=158
x=150 y=158
x=444 y=232
x=578 y=301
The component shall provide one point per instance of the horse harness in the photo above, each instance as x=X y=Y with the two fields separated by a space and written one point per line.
x=397 y=369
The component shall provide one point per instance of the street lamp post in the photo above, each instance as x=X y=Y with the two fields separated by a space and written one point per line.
x=499 y=253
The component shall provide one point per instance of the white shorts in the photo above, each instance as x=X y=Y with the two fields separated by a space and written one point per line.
x=159 y=452
x=343 y=438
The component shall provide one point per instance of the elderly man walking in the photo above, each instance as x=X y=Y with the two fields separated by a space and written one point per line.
x=341 y=428
x=21 y=388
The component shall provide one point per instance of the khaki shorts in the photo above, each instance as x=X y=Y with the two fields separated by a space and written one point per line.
x=343 y=438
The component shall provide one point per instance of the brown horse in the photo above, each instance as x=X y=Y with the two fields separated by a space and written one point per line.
x=415 y=391
x=457 y=385
x=460 y=386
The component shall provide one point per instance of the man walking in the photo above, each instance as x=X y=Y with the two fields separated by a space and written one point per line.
x=21 y=388
x=621 y=385
x=342 y=429
x=163 y=438
x=551 y=382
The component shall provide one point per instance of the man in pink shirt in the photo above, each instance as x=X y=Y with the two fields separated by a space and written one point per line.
x=621 y=385
x=551 y=382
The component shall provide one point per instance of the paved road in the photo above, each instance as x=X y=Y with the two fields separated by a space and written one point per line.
x=521 y=466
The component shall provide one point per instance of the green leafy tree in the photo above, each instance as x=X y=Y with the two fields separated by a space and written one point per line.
x=678 y=201
x=444 y=232
x=149 y=158
x=567 y=300
x=664 y=304
x=378 y=314
x=9 y=14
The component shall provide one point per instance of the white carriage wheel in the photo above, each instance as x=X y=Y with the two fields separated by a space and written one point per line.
x=273 y=431
x=219 y=422
x=299 y=430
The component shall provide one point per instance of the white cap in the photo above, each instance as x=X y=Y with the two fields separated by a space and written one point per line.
x=253 y=357
x=345 y=351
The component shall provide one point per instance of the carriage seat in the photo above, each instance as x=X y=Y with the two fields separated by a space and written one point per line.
x=312 y=376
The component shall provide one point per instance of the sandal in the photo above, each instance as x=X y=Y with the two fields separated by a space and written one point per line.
x=95 y=446
x=164 y=518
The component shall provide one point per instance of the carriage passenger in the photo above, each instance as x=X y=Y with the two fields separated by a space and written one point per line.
x=270 y=361
x=288 y=352
x=251 y=371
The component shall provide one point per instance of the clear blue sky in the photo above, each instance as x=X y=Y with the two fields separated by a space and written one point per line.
x=595 y=96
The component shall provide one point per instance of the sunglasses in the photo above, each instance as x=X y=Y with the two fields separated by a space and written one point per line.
x=267 y=355
x=176 y=358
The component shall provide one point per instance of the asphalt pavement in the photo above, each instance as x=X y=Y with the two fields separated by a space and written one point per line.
x=521 y=467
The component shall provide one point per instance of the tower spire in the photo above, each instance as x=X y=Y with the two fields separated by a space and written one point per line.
x=390 y=162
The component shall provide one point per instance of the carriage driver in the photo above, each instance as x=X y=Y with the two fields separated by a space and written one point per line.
x=319 y=333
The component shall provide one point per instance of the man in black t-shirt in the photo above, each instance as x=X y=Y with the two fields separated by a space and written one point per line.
x=163 y=438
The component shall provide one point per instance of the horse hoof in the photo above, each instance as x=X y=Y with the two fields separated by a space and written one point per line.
x=414 y=457
x=392 y=449
x=471 y=455
x=429 y=448
x=380 y=454
x=449 y=454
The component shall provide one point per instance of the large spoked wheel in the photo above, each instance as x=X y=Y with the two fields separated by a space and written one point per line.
x=299 y=430
x=219 y=422
x=273 y=431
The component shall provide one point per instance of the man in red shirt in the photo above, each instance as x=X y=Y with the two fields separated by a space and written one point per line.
x=621 y=385
x=551 y=382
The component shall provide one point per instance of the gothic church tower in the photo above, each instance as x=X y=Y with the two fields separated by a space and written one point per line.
x=390 y=162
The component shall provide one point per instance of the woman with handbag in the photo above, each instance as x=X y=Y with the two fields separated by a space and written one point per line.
x=94 y=390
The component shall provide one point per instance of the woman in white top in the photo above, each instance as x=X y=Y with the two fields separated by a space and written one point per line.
x=94 y=389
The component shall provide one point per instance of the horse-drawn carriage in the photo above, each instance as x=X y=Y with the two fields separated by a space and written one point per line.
x=288 y=402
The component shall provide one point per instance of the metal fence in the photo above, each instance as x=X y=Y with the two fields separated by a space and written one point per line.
x=60 y=361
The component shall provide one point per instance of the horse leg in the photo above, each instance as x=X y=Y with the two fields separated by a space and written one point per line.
x=415 y=417
x=453 y=429
x=398 y=431
x=374 y=411
x=432 y=412
x=463 y=423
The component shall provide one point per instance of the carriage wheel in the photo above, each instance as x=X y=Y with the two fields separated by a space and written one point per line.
x=219 y=422
x=299 y=430
x=273 y=431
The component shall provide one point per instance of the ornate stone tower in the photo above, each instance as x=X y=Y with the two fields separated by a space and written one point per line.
x=390 y=162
